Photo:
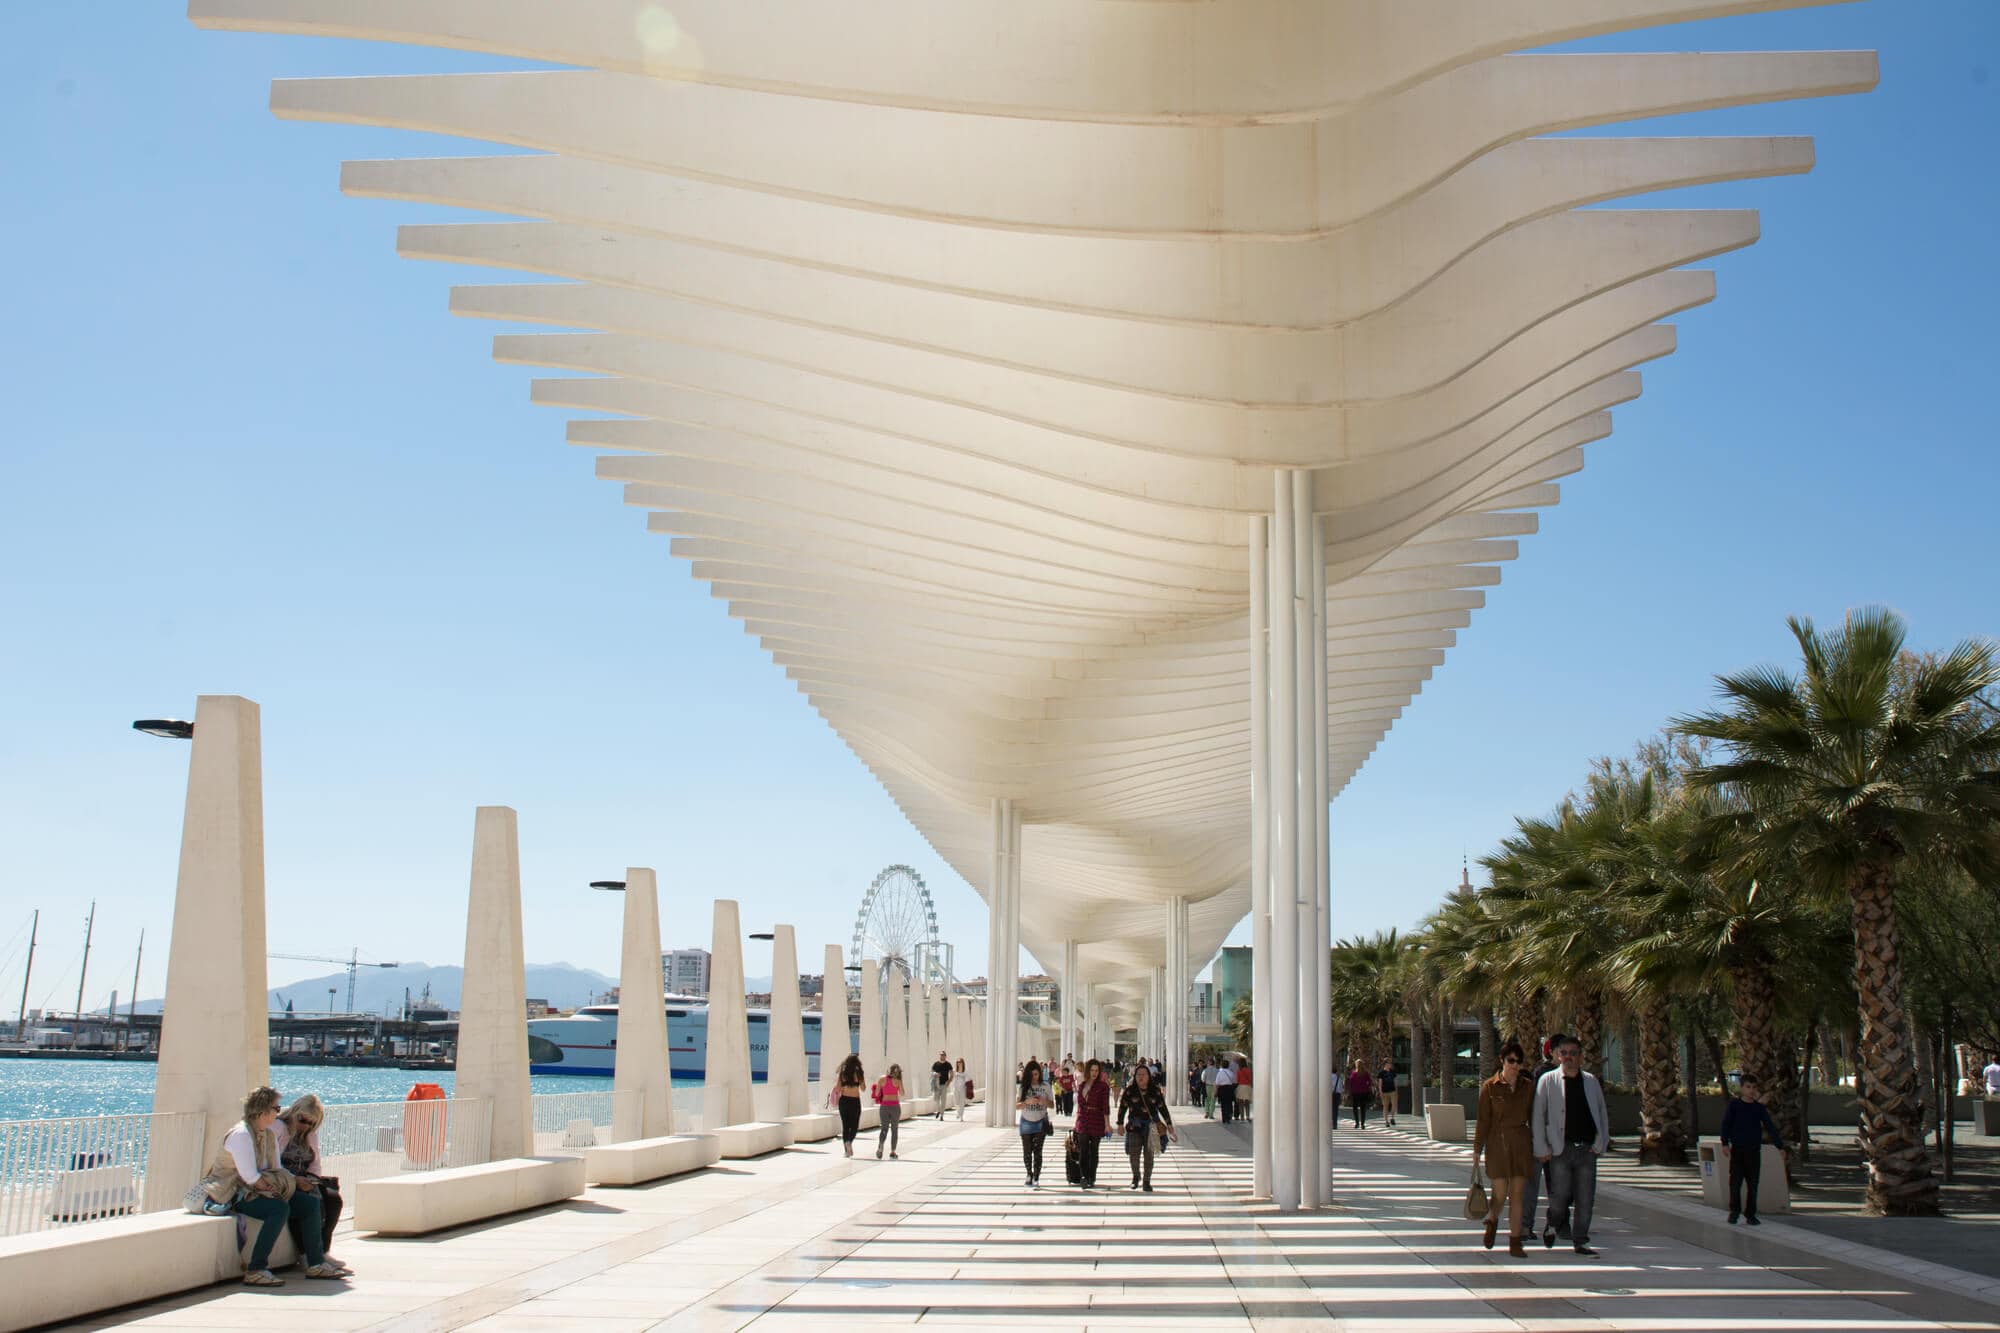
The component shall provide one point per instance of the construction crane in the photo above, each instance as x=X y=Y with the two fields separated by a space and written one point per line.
x=351 y=963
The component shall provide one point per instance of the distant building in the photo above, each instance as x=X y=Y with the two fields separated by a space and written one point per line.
x=1231 y=980
x=539 y=1008
x=685 y=971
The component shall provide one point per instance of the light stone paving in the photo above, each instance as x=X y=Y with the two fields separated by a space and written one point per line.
x=947 y=1237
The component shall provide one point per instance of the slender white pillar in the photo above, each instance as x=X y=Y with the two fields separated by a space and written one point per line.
x=898 y=1026
x=1306 y=845
x=785 y=1054
x=1067 y=1041
x=642 y=1085
x=976 y=1025
x=1284 y=1071
x=874 y=1039
x=1263 y=1067
x=1322 y=937
x=726 y=1080
x=493 y=994
x=215 y=1030
x=935 y=1019
x=835 y=1043
x=996 y=946
x=1003 y=970
x=1175 y=1055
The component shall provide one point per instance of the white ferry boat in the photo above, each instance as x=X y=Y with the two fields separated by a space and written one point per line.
x=586 y=1041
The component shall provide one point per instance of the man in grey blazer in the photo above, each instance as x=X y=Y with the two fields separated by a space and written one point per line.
x=1571 y=1132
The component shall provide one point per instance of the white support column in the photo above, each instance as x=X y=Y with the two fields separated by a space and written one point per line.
x=642 y=1085
x=726 y=1079
x=1311 y=825
x=1068 y=1041
x=874 y=1042
x=493 y=993
x=1284 y=1072
x=1263 y=1067
x=1322 y=937
x=996 y=945
x=785 y=1034
x=1004 y=951
x=215 y=1030
x=1176 y=1053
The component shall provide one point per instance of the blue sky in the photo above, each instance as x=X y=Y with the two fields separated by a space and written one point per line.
x=252 y=454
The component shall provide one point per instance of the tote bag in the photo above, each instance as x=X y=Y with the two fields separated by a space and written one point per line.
x=1475 y=1198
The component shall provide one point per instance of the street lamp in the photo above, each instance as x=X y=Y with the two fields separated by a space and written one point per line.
x=166 y=728
x=608 y=885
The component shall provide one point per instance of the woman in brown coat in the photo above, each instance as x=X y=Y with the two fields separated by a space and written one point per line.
x=1503 y=1137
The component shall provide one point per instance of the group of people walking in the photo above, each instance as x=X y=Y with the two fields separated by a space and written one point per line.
x=1085 y=1092
x=1221 y=1087
x=951 y=1089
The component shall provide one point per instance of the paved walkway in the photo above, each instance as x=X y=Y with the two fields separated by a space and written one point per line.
x=948 y=1237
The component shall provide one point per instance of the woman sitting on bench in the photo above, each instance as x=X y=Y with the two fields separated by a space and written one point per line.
x=298 y=1152
x=248 y=1176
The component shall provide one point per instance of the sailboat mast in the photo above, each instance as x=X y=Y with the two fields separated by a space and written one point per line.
x=89 y=924
x=21 y=1023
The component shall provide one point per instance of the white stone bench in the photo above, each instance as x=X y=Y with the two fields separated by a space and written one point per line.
x=916 y=1106
x=77 y=1270
x=753 y=1138
x=871 y=1116
x=421 y=1201
x=813 y=1128
x=1445 y=1122
x=640 y=1160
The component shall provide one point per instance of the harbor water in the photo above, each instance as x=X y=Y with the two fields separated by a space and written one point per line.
x=51 y=1089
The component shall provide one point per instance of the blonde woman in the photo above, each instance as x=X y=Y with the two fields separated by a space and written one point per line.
x=249 y=1178
x=297 y=1131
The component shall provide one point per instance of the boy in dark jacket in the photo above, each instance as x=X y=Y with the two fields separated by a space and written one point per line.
x=1744 y=1123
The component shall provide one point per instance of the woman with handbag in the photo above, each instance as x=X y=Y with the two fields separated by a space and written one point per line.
x=888 y=1094
x=247 y=1177
x=1033 y=1105
x=1142 y=1115
x=1504 y=1140
x=1093 y=1120
x=961 y=1087
x=847 y=1086
x=297 y=1132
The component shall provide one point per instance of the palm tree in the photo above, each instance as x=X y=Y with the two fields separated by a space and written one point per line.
x=1847 y=772
x=1241 y=1023
x=1367 y=993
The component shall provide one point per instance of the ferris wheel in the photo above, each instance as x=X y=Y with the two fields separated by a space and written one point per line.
x=897 y=925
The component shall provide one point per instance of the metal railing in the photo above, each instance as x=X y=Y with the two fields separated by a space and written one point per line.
x=57 y=1172
x=560 y=1119
x=364 y=1140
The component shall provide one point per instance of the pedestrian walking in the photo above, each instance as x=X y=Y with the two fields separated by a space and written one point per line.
x=888 y=1094
x=1093 y=1120
x=961 y=1088
x=1539 y=1187
x=1745 y=1121
x=1195 y=1071
x=1360 y=1091
x=1385 y=1084
x=1208 y=1091
x=847 y=1086
x=1066 y=1088
x=1505 y=1140
x=1992 y=1076
x=1572 y=1131
x=1339 y=1087
x=1245 y=1096
x=1032 y=1105
x=1143 y=1118
x=1225 y=1092
x=941 y=1082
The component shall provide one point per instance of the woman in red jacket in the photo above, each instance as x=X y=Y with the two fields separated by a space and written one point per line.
x=1093 y=1119
x=1360 y=1091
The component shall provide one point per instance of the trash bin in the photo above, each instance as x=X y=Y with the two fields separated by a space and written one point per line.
x=1774 y=1195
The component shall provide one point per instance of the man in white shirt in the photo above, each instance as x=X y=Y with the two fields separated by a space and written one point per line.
x=1992 y=1076
x=1208 y=1090
x=1225 y=1091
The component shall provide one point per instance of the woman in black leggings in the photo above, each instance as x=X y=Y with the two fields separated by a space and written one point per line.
x=1033 y=1104
x=848 y=1084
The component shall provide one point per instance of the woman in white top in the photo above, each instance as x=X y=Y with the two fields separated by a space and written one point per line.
x=248 y=1176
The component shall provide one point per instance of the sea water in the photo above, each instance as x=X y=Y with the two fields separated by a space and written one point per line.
x=51 y=1089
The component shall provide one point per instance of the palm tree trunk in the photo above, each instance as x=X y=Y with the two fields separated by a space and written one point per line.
x=1756 y=1013
x=1900 y=1182
x=1662 y=1136
x=1590 y=1030
x=1527 y=1016
x=1447 y=1050
x=1489 y=1043
x=1628 y=1052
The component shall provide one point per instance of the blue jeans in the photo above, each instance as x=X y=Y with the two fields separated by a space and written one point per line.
x=271 y=1214
x=1573 y=1190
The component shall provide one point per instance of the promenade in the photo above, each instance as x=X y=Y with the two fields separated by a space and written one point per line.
x=948 y=1238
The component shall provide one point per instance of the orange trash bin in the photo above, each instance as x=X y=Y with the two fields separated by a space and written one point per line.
x=423 y=1128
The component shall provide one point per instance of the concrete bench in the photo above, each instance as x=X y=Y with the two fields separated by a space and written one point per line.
x=640 y=1160
x=916 y=1106
x=77 y=1270
x=421 y=1201
x=813 y=1128
x=1445 y=1122
x=871 y=1116
x=752 y=1139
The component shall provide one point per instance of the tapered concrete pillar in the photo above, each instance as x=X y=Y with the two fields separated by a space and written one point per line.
x=642 y=1085
x=835 y=1043
x=874 y=1034
x=898 y=1024
x=785 y=1060
x=976 y=1025
x=215 y=1036
x=923 y=1045
x=493 y=998
x=726 y=1081
x=934 y=1014
x=1066 y=1040
x=1282 y=1076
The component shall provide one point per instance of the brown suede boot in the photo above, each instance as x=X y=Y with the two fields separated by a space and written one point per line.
x=1515 y=1248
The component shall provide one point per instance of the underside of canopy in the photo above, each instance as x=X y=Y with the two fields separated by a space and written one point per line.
x=953 y=345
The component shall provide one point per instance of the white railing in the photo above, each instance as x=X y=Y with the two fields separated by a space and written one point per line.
x=572 y=1121
x=363 y=1140
x=57 y=1172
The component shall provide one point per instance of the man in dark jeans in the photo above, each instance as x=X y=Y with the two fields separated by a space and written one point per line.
x=1538 y=1179
x=1572 y=1130
x=1744 y=1123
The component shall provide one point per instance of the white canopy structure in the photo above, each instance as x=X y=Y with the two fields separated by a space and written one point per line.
x=1005 y=366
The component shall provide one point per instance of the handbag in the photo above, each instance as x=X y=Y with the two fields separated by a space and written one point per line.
x=1475 y=1198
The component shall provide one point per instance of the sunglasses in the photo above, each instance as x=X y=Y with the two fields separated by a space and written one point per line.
x=1513 y=1060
